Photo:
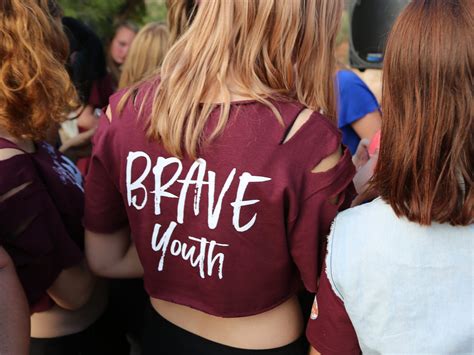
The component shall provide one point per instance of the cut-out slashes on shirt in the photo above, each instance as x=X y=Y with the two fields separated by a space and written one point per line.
x=24 y=224
x=326 y=163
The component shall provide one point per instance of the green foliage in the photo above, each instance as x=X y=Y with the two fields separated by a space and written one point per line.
x=102 y=14
x=98 y=14
x=156 y=11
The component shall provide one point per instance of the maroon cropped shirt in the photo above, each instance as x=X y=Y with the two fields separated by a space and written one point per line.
x=40 y=225
x=233 y=233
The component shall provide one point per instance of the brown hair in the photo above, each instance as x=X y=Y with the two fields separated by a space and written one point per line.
x=146 y=54
x=425 y=163
x=270 y=48
x=35 y=89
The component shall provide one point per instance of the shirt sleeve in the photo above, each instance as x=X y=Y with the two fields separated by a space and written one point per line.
x=104 y=207
x=308 y=231
x=329 y=329
x=355 y=100
x=32 y=230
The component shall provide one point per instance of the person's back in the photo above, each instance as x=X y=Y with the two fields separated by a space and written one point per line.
x=213 y=220
x=407 y=288
x=226 y=180
x=399 y=270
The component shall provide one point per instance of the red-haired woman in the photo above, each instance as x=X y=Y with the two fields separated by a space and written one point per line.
x=398 y=275
x=41 y=193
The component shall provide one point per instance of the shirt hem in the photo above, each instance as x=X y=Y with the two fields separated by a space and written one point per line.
x=205 y=309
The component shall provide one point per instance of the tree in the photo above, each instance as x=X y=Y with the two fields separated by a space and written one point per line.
x=102 y=15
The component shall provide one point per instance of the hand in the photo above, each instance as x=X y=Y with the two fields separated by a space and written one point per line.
x=361 y=156
x=79 y=146
x=365 y=172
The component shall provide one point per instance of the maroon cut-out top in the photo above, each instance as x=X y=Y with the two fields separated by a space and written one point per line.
x=233 y=233
x=40 y=225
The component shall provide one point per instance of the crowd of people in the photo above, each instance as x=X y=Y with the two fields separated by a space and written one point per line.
x=187 y=189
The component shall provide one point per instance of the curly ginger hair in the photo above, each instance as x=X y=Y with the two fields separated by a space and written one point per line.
x=35 y=89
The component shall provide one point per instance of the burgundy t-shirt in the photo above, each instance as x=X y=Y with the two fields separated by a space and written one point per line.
x=329 y=329
x=40 y=225
x=234 y=232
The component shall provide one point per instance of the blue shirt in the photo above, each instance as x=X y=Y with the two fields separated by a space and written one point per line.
x=355 y=100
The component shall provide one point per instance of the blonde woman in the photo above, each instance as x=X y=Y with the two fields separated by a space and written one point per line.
x=227 y=172
x=146 y=54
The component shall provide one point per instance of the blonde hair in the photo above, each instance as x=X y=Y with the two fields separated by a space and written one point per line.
x=35 y=88
x=146 y=54
x=180 y=15
x=269 y=48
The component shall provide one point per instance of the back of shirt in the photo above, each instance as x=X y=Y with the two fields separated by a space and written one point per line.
x=406 y=288
x=234 y=232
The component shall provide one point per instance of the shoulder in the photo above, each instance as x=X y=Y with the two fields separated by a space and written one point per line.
x=353 y=232
x=347 y=78
x=325 y=124
x=355 y=224
x=16 y=168
x=322 y=134
x=310 y=138
x=349 y=82
x=364 y=215
x=131 y=99
x=8 y=153
x=11 y=157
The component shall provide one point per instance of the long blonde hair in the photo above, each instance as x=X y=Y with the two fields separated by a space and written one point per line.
x=270 y=48
x=180 y=15
x=146 y=54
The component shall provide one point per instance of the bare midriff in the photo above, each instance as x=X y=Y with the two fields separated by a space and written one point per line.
x=58 y=321
x=277 y=327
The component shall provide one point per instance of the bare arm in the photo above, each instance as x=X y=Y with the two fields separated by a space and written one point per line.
x=14 y=311
x=113 y=255
x=367 y=126
x=87 y=119
x=73 y=287
x=313 y=351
